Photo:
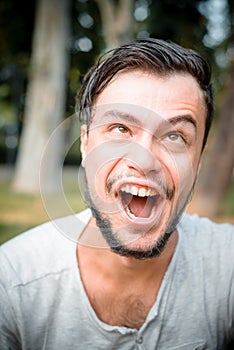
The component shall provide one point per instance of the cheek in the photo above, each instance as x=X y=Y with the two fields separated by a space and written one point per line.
x=181 y=170
x=100 y=163
x=102 y=157
x=101 y=150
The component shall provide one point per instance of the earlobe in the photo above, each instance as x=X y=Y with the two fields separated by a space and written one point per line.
x=83 y=143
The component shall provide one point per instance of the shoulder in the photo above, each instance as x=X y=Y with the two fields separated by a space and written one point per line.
x=47 y=248
x=206 y=240
x=194 y=226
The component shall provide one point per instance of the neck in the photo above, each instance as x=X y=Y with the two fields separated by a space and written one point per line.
x=118 y=267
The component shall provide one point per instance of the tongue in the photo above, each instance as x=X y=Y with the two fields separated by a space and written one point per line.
x=140 y=206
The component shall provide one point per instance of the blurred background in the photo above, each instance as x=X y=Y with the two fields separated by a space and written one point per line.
x=47 y=46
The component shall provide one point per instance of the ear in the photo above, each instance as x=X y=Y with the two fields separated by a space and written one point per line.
x=83 y=143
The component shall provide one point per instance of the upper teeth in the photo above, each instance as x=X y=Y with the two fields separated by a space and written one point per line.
x=136 y=191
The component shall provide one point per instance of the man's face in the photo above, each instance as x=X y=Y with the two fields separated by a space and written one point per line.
x=141 y=157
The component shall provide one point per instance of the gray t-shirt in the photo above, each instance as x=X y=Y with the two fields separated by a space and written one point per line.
x=43 y=304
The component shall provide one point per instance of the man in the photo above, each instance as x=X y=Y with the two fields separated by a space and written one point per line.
x=143 y=275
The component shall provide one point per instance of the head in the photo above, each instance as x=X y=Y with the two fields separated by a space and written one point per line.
x=150 y=55
x=147 y=110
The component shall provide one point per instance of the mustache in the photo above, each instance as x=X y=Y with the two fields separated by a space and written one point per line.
x=166 y=190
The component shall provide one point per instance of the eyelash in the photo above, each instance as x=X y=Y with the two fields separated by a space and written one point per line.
x=179 y=135
x=127 y=131
x=119 y=126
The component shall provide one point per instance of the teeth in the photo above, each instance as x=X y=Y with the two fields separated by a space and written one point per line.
x=141 y=192
x=129 y=212
x=134 y=190
x=148 y=193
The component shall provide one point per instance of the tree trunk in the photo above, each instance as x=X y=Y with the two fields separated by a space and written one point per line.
x=45 y=101
x=117 y=19
x=216 y=176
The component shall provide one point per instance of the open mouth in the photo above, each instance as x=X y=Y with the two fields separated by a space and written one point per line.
x=140 y=202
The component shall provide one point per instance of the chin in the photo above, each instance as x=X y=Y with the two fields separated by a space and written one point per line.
x=142 y=251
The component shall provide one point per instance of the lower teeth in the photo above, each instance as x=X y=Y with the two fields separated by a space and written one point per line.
x=130 y=213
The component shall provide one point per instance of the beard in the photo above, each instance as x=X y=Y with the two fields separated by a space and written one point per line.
x=154 y=249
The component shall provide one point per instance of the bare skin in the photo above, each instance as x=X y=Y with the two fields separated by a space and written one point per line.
x=143 y=148
x=122 y=290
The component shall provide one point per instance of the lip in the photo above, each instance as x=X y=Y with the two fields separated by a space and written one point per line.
x=132 y=181
x=155 y=214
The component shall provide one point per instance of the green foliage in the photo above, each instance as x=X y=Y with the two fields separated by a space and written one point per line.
x=179 y=21
x=91 y=29
x=16 y=22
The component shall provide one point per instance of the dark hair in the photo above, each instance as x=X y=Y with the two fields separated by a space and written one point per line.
x=152 y=55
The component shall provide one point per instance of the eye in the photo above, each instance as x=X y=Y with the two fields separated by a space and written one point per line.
x=122 y=129
x=119 y=129
x=175 y=137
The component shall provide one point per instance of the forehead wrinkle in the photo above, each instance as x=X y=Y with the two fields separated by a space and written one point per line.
x=122 y=116
x=180 y=119
x=130 y=118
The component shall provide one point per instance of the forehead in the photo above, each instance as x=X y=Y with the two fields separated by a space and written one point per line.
x=166 y=96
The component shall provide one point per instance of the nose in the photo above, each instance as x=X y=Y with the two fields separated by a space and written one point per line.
x=144 y=156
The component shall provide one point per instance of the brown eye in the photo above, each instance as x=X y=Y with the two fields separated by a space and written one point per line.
x=122 y=129
x=174 y=137
x=119 y=129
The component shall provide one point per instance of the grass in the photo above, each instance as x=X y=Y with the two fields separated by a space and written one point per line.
x=20 y=211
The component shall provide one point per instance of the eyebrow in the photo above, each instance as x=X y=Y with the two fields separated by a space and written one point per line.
x=186 y=119
x=122 y=116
